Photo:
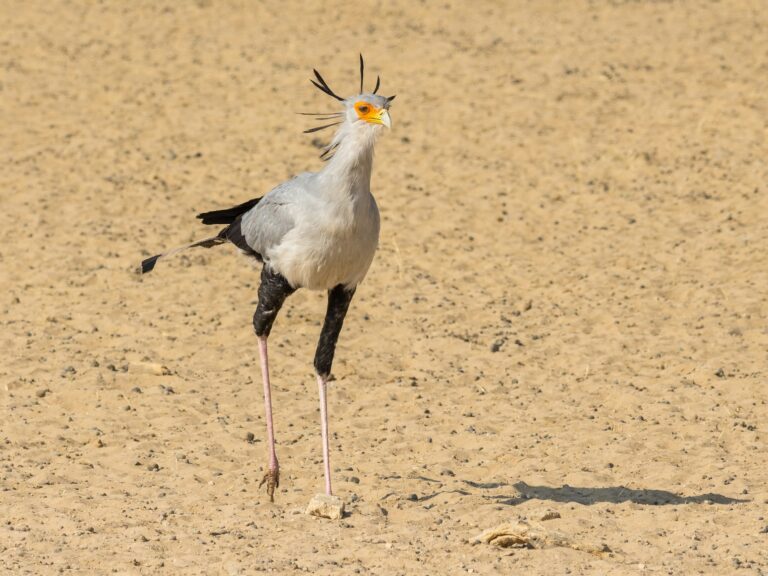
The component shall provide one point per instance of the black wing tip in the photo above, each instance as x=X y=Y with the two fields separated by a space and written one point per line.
x=149 y=264
x=228 y=215
x=211 y=218
x=216 y=217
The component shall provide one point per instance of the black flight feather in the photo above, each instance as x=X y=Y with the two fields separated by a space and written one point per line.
x=228 y=215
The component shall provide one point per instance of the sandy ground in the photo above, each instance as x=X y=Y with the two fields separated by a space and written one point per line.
x=567 y=312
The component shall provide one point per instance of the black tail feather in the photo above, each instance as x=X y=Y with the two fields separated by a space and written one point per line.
x=228 y=215
x=149 y=264
x=229 y=234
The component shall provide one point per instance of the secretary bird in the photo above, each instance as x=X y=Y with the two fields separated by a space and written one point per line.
x=319 y=231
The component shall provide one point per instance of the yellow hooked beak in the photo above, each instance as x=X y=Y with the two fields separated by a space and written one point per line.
x=383 y=118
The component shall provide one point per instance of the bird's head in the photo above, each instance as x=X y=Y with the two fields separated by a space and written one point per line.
x=365 y=113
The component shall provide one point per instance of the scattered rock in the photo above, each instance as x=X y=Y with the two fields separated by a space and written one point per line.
x=153 y=467
x=325 y=506
x=523 y=535
x=249 y=437
x=42 y=393
x=550 y=515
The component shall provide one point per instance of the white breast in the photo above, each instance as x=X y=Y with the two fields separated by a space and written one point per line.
x=331 y=244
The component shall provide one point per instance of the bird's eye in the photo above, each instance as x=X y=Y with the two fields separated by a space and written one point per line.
x=363 y=109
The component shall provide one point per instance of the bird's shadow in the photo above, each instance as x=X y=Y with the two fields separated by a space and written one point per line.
x=612 y=494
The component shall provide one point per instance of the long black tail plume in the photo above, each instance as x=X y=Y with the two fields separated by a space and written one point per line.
x=227 y=216
x=148 y=264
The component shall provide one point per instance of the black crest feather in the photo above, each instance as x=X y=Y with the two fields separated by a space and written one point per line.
x=318 y=128
x=323 y=86
x=362 y=73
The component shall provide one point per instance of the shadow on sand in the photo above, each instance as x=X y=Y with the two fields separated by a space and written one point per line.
x=614 y=495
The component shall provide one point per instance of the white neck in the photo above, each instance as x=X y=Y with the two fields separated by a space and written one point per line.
x=352 y=162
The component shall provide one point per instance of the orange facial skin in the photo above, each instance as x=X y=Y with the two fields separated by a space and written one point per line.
x=369 y=113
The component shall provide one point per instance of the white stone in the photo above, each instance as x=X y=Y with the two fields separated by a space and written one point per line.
x=325 y=506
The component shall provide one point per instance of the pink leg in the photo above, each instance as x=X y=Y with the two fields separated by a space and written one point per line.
x=323 y=385
x=272 y=476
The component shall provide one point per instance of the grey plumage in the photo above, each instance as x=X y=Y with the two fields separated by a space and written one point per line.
x=264 y=228
x=318 y=230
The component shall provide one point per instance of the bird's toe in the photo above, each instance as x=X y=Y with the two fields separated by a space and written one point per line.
x=272 y=480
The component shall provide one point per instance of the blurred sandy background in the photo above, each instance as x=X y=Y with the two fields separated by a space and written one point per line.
x=567 y=311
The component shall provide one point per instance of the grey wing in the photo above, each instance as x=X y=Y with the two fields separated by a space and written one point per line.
x=274 y=216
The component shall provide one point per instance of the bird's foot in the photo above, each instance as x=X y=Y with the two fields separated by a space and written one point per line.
x=272 y=480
